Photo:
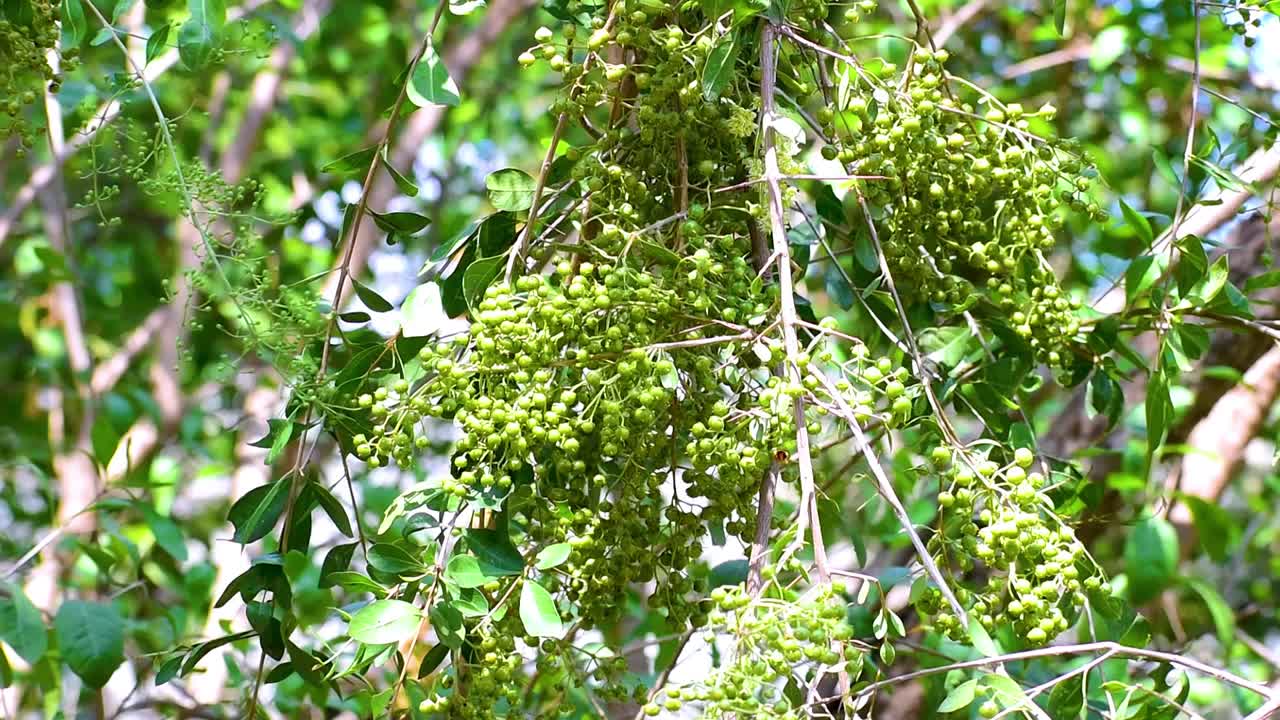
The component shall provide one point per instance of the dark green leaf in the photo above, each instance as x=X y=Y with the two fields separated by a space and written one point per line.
x=332 y=507
x=278 y=673
x=538 y=612
x=337 y=560
x=407 y=186
x=447 y=621
x=395 y=560
x=168 y=670
x=158 y=41
x=353 y=164
x=21 y=625
x=356 y=316
x=719 y=70
x=430 y=83
x=1192 y=263
x=478 y=277
x=1139 y=223
x=200 y=35
x=406 y=223
x=1215 y=529
x=74 y=26
x=355 y=582
x=1224 y=620
x=432 y=660
x=496 y=553
x=510 y=189
x=1060 y=17
x=199 y=651
x=1067 y=698
x=167 y=534
x=371 y=299
x=1151 y=558
x=255 y=514
x=1141 y=274
x=90 y=640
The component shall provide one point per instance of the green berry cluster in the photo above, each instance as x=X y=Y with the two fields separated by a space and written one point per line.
x=28 y=32
x=996 y=516
x=776 y=640
x=968 y=203
x=589 y=385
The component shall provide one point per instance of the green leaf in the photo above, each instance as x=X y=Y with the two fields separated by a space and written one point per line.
x=1151 y=558
x=729 y=572
x=1067 y=698
x=355 y=582
x=1215 y=529
x=90 y=640
x=384 y=621
x=200 y=35
x=959 y=698
x=406 y=223
x=496 y=553
x=471 y=602
x=332 y=507
x=256 y=513
x=371 y=299
x=982 y=641
x=719 y=70
x=470 y=232
x=270 y=632
x=553 y=555
x=168 y=670
x=1141 y=274
x=464 y=571
x=1139 y=223
x=838 y=287
x=1224 y=621
x=337 y=560
x=355 y=316
x=538 y=612
x=353 y=164
x=432 y=660
x=447 y=621
x=21 y=626
x=430 y=83
x=1192 y=263
x=121 y=7
x=199 y=651
x=1060 y=17
x=407 y=186
x=158 y=42
x=1261 y=282
x=1214 y=281
x=74 y=26
x=395 y=560
x=1159 y=408
x=478 y=277
x=167 y=534
x=510 y=189
x=946 y=346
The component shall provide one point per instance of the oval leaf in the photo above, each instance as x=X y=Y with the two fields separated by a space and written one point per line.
x=538 y=612
x=385 y=621
x=553 y=555
x=90 y=639
x=510 y=189
x=430 y=83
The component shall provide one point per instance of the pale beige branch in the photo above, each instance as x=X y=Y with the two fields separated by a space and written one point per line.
x=1218 y=442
